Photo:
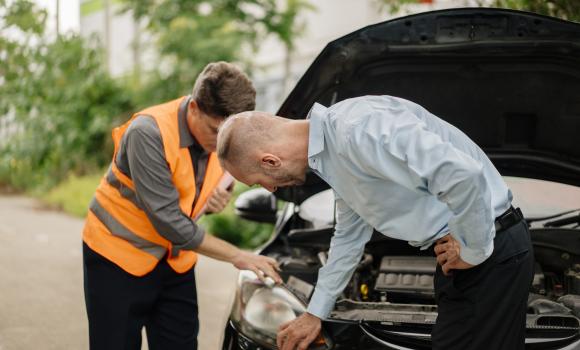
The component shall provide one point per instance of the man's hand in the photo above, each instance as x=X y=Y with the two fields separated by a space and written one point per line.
x=262 y=266
x=299 y=333
x=447 y=251
x=218 y=200
x=219 y=249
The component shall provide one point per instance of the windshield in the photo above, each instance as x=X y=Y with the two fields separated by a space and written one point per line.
x=542 y=198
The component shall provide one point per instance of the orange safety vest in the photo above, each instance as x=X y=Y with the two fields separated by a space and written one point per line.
x=117 y=228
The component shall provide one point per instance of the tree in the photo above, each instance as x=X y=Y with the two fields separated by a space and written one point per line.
x=58 y=97
x=190 y=33
x=395 y=6
x=565 y=9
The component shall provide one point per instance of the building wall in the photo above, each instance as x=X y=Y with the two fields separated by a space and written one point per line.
x=127 y=44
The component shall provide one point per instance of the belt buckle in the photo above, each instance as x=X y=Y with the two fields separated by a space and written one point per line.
x=506 y=219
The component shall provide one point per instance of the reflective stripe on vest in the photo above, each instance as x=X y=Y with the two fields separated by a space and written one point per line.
x=125 y=191
x=117 y=229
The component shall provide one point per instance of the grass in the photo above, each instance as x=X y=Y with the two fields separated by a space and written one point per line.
x=74 y=195
x=230 y=227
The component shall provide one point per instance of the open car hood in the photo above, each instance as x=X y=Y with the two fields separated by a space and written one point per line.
x=510 y=80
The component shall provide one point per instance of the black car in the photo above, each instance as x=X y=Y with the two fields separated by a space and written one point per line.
x=511 y=81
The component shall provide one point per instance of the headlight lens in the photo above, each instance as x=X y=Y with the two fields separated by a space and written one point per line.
x=259 y=310
x=267 y=310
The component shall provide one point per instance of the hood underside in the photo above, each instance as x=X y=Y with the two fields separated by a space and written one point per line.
x=510 y=80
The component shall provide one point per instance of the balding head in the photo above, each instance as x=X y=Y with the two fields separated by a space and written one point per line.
x=244 y=134
x=258 y=147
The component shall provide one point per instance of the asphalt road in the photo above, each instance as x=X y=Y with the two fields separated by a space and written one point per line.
x=41 y=293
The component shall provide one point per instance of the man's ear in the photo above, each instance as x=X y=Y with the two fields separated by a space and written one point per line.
x=270 y=161
x=193 y=105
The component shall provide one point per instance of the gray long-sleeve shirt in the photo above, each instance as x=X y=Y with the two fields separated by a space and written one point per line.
x=141 y=157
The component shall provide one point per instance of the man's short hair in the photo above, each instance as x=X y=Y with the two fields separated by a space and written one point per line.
x=222 y=89
x=243 y=134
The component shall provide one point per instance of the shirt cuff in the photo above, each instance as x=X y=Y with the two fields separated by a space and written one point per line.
x=193 y=243
x=476 y=256
x=320 y=304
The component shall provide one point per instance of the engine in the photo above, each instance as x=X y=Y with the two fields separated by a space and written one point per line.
x=409 y=276
x=406 y=282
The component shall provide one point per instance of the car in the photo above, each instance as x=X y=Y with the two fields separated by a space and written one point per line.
x=511 y=81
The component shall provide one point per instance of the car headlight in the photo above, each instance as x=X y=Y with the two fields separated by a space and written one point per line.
x=259 y=309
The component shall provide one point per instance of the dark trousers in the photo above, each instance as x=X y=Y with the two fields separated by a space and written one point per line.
x=485 y=307
x=119 y=305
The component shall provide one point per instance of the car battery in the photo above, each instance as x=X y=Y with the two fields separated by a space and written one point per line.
x=406 y=276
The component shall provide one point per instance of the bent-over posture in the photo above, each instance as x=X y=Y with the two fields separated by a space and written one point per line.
x=398 y=169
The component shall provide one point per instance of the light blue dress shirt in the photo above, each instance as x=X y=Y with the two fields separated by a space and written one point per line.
x=399 y=169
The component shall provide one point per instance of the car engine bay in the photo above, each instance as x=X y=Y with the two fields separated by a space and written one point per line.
x=393 y=282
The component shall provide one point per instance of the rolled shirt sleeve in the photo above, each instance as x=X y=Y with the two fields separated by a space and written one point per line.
x=406 y=148
x=154 y=186
x=346 y=248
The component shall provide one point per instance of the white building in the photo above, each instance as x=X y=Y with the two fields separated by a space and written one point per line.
x=125 y=41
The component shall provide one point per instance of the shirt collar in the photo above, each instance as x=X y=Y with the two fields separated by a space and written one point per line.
x=315 y=134
x=186 y=139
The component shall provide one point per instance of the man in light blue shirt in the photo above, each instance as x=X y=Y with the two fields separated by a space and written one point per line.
x=398 y=169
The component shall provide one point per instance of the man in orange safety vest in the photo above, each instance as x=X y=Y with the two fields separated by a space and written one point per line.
x=140 y=240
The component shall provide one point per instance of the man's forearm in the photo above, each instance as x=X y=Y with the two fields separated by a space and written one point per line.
x=218 y=249
x=346 y=248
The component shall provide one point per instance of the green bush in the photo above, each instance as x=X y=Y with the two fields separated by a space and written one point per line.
x=239 y=232
x=74 y=194
x=64 y=111
x=58 y=100
x=230 y=227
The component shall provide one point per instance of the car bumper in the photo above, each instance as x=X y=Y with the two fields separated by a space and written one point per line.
x=351 y=336
x=356 y=336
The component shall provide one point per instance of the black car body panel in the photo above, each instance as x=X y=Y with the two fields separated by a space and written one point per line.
x=511 y=81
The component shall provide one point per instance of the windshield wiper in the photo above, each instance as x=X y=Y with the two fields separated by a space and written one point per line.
x=559 y=222
x=563 y=222
x=544 y=218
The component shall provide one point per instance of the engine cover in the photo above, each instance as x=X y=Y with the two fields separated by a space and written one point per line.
x=408 y=275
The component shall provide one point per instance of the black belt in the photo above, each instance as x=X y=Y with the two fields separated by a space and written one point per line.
x=509 y=218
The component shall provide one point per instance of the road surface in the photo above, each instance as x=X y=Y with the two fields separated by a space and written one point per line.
x=41 y=294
